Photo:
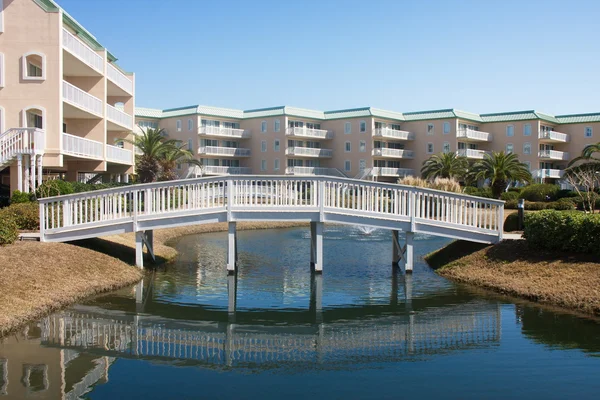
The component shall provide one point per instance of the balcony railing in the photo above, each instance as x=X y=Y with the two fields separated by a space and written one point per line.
x=224 y=151
x=119 y=155
x=119 y=78
x=553 y=136
x=309 y=133
x=471 y=153
x=553 y=155
x=224 y=132
x=80 y=99
x=313 y=171
x=387 y=171
x=81 y=147
x=548 y=173
x=221 y=170
x=119 y=117
x=82 y=51
x=308 y=152
x=472 y=134
x=396 y=153
x=389 y=133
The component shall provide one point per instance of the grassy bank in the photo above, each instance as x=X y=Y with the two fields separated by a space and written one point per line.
x=510 y=267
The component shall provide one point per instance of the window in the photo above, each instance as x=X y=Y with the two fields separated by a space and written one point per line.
x=347 y=166
x=263 y=126
x=276 y=164
x=263 y=165
x=429 y=148
x=190 y=124
x=348 y=147
x=362 y=146
x=362 y=165
x=148 y=124
x=179 y=166
x=34 y=66
x=528 y=164
x=446 y=148
x=1 y=60
x=588 y=131
x=277 y=125
x=510 y=130
x=263 y=146
x=34 y=117
x=509 y=148
x=276 y=145
x=363 y=126
x=430 y=129
x=348 y=127
x=527 y=148
x=446 y=128
x=527 y=130
x=190 y=144
x=178 y=124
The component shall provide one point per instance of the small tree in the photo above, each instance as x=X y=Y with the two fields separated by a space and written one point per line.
x=500 y=168
x=584 y=179
x=445 y=165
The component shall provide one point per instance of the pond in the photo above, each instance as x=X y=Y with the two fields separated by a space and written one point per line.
x=362 y=329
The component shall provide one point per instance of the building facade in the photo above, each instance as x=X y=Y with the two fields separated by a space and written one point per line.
x=64 y=102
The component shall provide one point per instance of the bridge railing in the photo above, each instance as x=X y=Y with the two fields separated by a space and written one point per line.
x=238 y=193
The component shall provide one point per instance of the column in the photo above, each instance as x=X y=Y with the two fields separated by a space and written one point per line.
x=32 y=173
x=26 y=177
x=408 y=254
x=395 y=248
x=316 y=296
x=316 y=246
x=139 y=249
x=231 y=248
x=40 y=164
x=395 y=284
x=118 y=178
x=139 y=292
x=126 y=178
x=232 y=294
x=20 y=172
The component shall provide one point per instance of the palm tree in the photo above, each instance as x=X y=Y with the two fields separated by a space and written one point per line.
x=179 y=154
x=500 y=168
x=445 y=165
x=590 y=156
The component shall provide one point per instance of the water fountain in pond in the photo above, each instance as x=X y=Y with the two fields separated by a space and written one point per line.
x=365 y=230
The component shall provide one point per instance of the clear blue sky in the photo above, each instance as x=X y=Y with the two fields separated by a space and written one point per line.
x=480 y=56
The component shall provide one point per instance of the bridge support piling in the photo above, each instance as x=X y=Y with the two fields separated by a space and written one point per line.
x=139 y=249
x=408 y=253
x=316 y=246
x=232 y=294
x=316 y=296
x=231 y=248
x=396 y=250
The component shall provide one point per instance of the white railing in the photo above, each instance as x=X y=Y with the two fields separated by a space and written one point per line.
x=78 y=98
x=225 y=132
x=82 y=51
x=325 y=198
x=553 y=155
x=554 y=136
x=310 y=171
x=222 y=170
x=471 y=153
x=393 y=134
x=309 y=133
x=119 y=155
x=308 y=152
x=81 y=147
x=388 y=171
x=119 y=78
x=386 y=152
x=474 y=135
x=21 y=141
x=224 y=151
x=119 y=117
x=548 y=173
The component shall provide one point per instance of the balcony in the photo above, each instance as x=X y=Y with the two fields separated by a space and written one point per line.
x=218 y=131
x=118 y=120
x=308 y=152
x=553 y=137
x=118 y=84
x=553 y=155
x=221 y=170
x=80 y=59
x=473 y=135
x=80 y=104
x=81 y=147
x=393 y=153
x=223 y=151
x=309 y=133
x=548 y=173
x=119 y=155
x=394 y=172
x=308 y=171
x=388 y=133
x=471 y=153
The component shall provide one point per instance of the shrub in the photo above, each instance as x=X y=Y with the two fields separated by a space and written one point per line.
x=21 y=197
x=540 y=192
x=445 y=184
x=561 y=204
x=563 y=231
x=509 y=196
x=480 y=192
x=564 y=204
x=511 y=223
x=54 y=187
x=25 y=215
x=8 y=231
x=566 y=193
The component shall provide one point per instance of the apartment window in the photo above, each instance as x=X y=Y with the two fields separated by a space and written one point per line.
x=179 y=166
x=430 y=129
x=277 y=125
x=509 y=148
x=1 y=59
x=446 y=148
x=347 y=166
x=527 y=130
x=348 y=127
x=276 y=164
x=263 y=165
x=362 y=146
x=363 y=126
x=34 y=66
x=348 y=147
x=263 y=146
x=190 y=125
x=190 y=144
x=510 y=130
x=276 y=145
x=263 y=126
x=362 y=165
x=34 y=117
x=527 y=148
x=429 y=148
x=588 y=131
x=528 y=165
x=178 y=124
x=446 y=128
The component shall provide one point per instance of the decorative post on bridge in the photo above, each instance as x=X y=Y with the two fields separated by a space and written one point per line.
x=316 y=246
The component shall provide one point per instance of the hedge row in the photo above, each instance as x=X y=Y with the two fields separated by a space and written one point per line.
x=18 y=216
x=58 y=187
x=563 y=231
x=564 y=204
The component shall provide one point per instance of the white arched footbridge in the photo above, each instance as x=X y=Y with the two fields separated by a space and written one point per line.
x=318 y=200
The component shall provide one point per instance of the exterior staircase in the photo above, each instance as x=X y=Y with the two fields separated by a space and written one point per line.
x=366 y=174
x=20 y=141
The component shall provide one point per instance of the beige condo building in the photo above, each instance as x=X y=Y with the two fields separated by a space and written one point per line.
x=64 y=101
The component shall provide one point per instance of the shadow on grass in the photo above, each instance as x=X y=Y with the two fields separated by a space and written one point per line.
x=453 y=252
x=119 y=251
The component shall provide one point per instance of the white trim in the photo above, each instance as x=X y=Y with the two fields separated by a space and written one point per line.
x=276 y=145
x=347 y=127
x=24 y=116
x=444 y=130
x=1 y=16
x=512 y=146
x=512 y=128
x=263 y=165
x=263 y=126
x=1 y=62
x=427 y=148
x=585 y=131
x=276 y=125
x=432 y=131
x=25 y=68
x=362 y=121
x=349 y=164
x=178 y=125
x=190 y=124
x=276 y=164
x=362 y=144
x=444 y=147
x=347 y=146
x=527 y=144
x=263 y=146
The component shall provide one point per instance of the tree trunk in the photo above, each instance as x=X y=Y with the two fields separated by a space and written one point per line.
x=498 y=188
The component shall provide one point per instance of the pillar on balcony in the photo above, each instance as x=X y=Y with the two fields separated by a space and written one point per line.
x=32 y=168
x=231 y=248
x=316 y=246
x=26 y=167
x=40 y=164
x=126 y=178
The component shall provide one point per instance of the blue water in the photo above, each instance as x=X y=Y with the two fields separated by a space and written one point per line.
x=361 y=330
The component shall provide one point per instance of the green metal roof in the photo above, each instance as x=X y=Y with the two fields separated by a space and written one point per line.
x=578 y=118
x=519 y=116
